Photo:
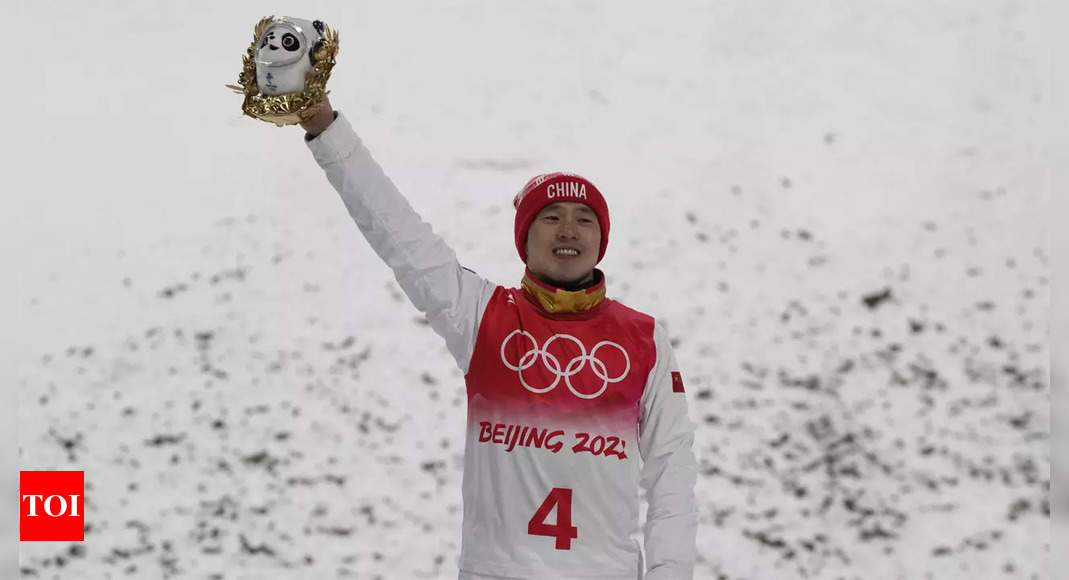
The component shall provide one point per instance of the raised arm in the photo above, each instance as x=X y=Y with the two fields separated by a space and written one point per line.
x=669 y=469
x=453 y=298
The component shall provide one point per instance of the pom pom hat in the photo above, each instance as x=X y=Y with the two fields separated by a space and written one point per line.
x=548 y=188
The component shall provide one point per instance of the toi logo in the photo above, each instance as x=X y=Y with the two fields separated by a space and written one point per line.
x=51 y=506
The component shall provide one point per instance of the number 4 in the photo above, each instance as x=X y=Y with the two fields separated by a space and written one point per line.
x=563 y=530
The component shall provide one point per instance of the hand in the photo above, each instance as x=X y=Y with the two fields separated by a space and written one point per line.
x=319 y=121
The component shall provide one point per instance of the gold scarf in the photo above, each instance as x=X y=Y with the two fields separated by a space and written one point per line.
x=558 y=301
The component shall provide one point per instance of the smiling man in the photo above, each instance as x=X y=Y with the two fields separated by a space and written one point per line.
x=563 y=244
x=574 y=400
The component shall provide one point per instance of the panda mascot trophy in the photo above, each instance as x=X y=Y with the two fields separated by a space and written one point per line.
x=285 y=71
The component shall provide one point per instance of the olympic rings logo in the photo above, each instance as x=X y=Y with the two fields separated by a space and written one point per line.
x=574 y=366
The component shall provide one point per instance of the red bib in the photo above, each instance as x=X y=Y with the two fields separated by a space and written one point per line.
x=588 y=368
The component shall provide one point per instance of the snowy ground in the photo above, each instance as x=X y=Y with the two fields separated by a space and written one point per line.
x=834 y=208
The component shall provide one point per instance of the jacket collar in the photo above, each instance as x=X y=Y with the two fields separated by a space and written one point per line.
x=556 y=300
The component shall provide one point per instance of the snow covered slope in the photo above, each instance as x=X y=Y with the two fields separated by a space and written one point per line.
x=834 y=207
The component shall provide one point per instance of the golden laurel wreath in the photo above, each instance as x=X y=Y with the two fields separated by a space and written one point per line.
x=291 y=108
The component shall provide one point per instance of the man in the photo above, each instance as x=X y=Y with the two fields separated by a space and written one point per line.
x=574 y=400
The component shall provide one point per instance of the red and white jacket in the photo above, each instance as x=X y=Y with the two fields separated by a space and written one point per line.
x=568 y=413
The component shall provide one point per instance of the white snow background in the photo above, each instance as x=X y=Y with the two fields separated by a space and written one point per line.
x=834 y=206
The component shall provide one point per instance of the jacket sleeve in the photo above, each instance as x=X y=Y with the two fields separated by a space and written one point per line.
x=669 y=469
x=453 y=297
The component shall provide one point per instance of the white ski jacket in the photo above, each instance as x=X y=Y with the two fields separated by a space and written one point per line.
x=552 y=464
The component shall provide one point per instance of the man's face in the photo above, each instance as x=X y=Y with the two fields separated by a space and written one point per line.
x=563 y=243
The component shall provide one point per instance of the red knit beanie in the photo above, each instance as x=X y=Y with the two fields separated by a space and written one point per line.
x=548 y=188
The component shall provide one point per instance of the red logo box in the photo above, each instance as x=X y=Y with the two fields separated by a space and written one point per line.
x=677 y=382
x=52 y=506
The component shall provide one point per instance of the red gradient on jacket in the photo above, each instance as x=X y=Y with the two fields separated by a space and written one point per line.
x=581 y=369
